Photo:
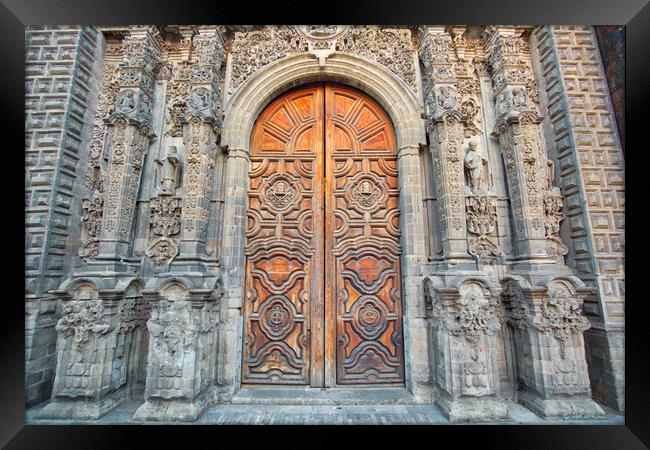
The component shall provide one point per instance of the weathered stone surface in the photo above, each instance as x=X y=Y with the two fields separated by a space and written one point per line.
x=511 y=207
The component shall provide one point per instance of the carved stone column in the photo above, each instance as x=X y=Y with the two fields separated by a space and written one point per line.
x=519 y=135
x=96 y=342
x=413 y=258
x=233 y=259
x=463 y=321
x=201 y=125
x=445 y=125
x=548 y=325
x=182 y=351
x=100 y=333
x=128 y=134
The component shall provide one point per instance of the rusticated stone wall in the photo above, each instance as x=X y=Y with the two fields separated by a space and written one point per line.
x=580 y=127
x=61 y=82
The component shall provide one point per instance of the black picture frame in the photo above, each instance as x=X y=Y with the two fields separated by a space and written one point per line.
x=16 y=14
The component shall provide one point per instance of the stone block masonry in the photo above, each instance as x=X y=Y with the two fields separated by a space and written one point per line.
x=60 y=81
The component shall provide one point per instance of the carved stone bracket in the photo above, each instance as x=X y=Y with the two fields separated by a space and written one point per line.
x=481 y=211
x=165 y=219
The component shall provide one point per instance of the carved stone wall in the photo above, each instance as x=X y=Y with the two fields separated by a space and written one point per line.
x=510 y=177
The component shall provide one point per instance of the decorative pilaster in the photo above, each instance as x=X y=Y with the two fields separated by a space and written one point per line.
x=99 y=338
x=201 y=125
x=182 y=351
x=517 y=127
x=445 y=125
x=548 y=325
x=463 y=321
x=128 y=135
x=233 y=259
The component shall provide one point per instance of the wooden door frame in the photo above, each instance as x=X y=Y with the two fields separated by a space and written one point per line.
x=405 y=110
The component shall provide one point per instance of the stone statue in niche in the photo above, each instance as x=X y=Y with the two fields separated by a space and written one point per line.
x=126 y=101
x=476 y=168
x=550 y=178
x=170 y=167
x=519 y=98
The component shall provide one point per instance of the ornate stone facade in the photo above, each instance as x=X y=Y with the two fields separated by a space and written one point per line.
x=507 y=219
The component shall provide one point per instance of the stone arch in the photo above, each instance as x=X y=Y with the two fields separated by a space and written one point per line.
x=401 y=104
x=405 y=111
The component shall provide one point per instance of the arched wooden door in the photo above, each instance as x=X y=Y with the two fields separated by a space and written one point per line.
x=323 y=298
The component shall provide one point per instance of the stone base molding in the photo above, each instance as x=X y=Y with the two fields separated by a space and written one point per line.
x=547 y=325
x=100 y=347
x=463 y=321
x=182 y=348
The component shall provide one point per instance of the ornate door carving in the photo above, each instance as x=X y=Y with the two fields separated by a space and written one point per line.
x=363 y=298
x=323 y=302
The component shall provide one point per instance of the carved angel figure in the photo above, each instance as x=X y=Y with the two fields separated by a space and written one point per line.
x=476 y=166
x=169 y=172
x=519 y=98
x=125 y=101
x=199 y=99
x=446 y=97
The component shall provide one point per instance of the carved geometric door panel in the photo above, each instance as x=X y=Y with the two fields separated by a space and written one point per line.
x=364 y=330
x=284 y=242
x=323 y=301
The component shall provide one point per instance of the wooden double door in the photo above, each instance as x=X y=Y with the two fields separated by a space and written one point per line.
x=322 y=302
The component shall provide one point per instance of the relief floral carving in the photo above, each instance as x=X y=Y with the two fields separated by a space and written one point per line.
x=561 y=315
x=81 y=318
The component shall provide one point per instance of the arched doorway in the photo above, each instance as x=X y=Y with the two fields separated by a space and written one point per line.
x=323 y=303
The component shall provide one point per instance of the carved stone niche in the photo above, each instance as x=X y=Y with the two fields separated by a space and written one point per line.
x=182 y=349
x=100 y=335
x=463 y=321
x=547 y=326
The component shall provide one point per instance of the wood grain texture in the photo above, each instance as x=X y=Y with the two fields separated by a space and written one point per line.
x=323 y=299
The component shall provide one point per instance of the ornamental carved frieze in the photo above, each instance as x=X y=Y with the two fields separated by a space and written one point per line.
x=82 y=319
x=390 y=47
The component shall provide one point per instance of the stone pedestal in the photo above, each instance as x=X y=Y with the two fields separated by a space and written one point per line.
x=182 y=351
x=98 y=348
x=548 y=327
x=463 y=320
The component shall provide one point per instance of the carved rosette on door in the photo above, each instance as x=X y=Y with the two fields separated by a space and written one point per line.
x=323 y=301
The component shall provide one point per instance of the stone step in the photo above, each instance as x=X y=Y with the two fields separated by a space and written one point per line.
x=317 y=396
